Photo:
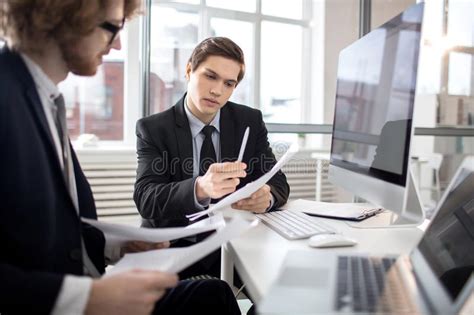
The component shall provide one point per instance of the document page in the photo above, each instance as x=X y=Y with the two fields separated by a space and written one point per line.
x=117 y=234
x=248 y=189
x=351 y=211
x=177 y=259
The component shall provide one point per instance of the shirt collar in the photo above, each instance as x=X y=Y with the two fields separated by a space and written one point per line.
x=42 y=81
x=195 y=124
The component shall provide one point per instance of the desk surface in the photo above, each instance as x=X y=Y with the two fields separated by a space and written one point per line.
x=258 y=254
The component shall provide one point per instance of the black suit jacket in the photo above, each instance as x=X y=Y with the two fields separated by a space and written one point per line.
x=164 y=190
x=39 y=227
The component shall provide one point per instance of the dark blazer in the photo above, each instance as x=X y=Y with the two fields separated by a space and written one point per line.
x=39 y=227
x=165 y=183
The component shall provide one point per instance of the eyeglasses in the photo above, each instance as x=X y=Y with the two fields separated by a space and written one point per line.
x=113 y=29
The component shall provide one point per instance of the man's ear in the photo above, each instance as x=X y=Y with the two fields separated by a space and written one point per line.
x=188 y=71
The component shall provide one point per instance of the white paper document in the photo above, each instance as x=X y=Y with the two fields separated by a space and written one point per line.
x=117 y=234
x=177 y=259
x=248 y=189
x=350 y=211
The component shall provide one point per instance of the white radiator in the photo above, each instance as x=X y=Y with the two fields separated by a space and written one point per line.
x=307 y=174
x=111 y=175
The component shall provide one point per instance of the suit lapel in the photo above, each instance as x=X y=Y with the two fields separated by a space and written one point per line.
x=36 y=107
x=34 y=101
x=227 y=136
x=183 y=137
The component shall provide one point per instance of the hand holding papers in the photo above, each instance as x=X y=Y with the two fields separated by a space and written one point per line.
x=220 y=179
x=248 y=189
x=177 y=259
x=117 y=234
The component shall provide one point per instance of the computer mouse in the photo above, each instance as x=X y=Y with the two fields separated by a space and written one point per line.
x=331 y=240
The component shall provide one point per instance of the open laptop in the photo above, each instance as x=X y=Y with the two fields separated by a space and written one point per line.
x=435 y=278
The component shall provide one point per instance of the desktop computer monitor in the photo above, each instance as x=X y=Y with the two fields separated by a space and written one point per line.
x=376 y=82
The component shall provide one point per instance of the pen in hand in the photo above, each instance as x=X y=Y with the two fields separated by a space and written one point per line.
x=243 y=145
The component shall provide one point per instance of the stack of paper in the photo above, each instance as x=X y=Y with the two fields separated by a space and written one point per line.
x=248 y=189
x=177 y=259
x=117 y=234
x=347 y=211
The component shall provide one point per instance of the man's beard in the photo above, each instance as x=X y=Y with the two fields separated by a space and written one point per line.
x=77 y=63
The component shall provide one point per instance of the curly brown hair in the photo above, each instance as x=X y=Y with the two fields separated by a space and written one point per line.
x=26 y=22
x=218 y=46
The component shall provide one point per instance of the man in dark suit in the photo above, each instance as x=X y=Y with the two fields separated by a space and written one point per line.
x=48 y=256
x=173 y=179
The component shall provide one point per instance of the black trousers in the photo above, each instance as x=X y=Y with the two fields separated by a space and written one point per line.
x=198 y=297
x=209 y=265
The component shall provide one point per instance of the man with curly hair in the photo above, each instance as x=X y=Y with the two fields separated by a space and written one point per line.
x=50 y=262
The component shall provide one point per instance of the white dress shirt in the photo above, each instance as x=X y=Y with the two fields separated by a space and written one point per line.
x=198 y=138
x=196 y=126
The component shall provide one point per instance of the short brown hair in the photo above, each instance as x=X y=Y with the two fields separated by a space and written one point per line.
x=25 y=22
x=217 y=46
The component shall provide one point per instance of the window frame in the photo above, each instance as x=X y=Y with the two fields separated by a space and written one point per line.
x=137 y=65
x=206 y=13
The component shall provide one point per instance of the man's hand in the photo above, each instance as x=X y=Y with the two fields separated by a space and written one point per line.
x=139 y=246
x=131 y=292
x=220 y=179
x=258 y=202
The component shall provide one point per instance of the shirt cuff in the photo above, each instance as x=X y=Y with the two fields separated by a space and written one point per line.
x=204 y=203
x=112 y=253
x=272 y=202
x=73 y=296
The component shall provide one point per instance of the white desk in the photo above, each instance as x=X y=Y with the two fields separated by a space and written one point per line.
x=258 y=254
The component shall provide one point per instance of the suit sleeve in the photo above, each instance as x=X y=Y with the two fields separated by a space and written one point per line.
x=158 y=198
x=266 y=160
x=20 y=291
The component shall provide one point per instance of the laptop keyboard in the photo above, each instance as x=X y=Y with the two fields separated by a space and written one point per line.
x=294 y=225
x=362 y=286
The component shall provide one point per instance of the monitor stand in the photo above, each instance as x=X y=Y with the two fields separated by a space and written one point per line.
x=412 y=216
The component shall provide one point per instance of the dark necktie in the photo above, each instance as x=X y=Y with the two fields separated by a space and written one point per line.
x=208 y=153
x=60 y=121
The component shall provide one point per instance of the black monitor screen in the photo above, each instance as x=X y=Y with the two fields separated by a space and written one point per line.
x=448 y=243
x=376 y=83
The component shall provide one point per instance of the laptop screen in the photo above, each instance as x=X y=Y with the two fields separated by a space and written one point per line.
x=448 y=244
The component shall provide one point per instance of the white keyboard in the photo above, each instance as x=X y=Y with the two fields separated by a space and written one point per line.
x=294 y=225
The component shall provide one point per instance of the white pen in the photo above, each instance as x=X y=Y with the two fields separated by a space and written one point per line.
x=243 y=145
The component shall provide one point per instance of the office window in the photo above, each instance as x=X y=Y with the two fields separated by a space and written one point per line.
x=281 y=99
x=429 y=70
x=461 y=35
x=446 y=64
x=241 y=32
x=241 y=5
x=95 y=105
x=461 y=22
x=460 y=74
x=187 y=1
x=274 y=73
x=283 y=8
x=174 y=34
